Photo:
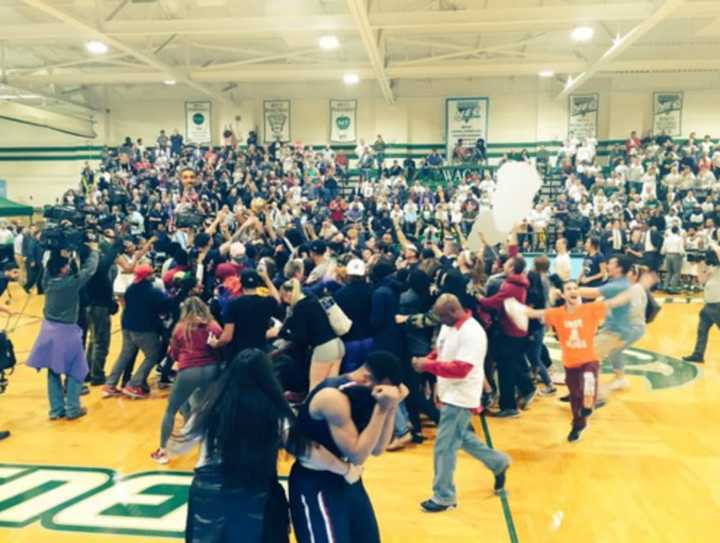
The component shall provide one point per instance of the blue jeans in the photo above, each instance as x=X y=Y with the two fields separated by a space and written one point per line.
x=632 y=335
x=402 y=423
x=533 y=353
x=454 y=433
x=63 y=403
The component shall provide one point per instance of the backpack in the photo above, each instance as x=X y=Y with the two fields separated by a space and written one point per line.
x=7 y=360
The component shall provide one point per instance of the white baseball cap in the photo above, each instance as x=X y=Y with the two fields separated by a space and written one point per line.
x=356 y=267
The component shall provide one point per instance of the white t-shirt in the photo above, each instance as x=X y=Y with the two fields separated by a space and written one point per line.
x=468 y=343
x=562 y=266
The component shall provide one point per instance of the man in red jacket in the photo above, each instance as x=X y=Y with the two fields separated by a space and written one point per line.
x=513 y=370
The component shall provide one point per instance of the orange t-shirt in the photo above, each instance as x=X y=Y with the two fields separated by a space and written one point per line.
x=576 y=331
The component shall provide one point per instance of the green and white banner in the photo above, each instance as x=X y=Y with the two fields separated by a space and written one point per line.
x=197 y=122
x=277 y=120
x=465 y=119
x=667 y=113
x=583 y=115
x=343 y=115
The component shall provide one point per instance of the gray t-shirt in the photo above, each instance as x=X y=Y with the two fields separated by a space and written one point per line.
x=62 y=293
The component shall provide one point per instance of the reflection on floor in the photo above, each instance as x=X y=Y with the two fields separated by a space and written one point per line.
x=647 y=469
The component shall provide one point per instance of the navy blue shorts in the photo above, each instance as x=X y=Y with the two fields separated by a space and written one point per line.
x=325 y=509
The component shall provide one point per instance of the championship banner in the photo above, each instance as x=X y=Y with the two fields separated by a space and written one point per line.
x=197 y=122
x=667 y=113
x=583 y=115
x=277 y=120
x=465 y=119
x=342 y=121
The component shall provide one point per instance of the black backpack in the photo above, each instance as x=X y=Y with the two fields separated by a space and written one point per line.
x=7 y=354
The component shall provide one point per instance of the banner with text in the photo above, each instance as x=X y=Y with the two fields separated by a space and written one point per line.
x=197 y=122
x=667 y=113
x=583 y=115
x=465 y=119
x=342 y=121
x=277 y=120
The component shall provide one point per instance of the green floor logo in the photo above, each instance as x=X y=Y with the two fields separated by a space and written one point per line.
x=94 y=500
x=659 y=370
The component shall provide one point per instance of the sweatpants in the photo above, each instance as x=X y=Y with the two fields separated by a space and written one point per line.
x=575 y=380
x=326 y=509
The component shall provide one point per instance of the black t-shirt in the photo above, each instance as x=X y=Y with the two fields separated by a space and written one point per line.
x=251 y=315
x=591 y=266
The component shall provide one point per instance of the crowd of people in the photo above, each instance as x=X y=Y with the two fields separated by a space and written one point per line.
x=288 y=307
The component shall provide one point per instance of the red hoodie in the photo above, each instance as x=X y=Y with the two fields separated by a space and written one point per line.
x=514 y=286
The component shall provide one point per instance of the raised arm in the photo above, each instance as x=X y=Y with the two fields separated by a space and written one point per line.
x=334 y=407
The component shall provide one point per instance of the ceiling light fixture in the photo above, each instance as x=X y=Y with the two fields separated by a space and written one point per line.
x=582 y=33
x=96 y=47
x=169 y=82
x=329 y=42
x=351 y=79
x=546 y=73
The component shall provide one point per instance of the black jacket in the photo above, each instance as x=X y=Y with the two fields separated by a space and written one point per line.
x=99 y=290
x=387 y=335
x=418 y=341
x=355 y=299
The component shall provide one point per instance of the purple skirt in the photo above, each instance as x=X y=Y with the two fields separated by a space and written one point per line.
x=59 y=348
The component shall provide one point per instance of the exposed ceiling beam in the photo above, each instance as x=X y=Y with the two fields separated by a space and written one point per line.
x=333 y=72
x=525 y=19
x=468 y=52
x=95 y=60
x=148 y=58
x=358 y=11
x=266 y=58
x=620 y=45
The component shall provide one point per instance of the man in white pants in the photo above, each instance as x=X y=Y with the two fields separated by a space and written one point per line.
x=458 y=363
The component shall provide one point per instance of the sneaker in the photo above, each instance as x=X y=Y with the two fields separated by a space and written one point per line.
x=398 y=443
x=574 y=435
x=57 y=417
x=548 y=390
x=430 y=506
x=504 y=413
x=525 y=401
x=160 y=456
x=97 y=381
x=4 y=435
x=500 y=480
x=619 y=384
x=565 y=398
x=85 y=390
x=418 y=438
x=81 y=413
x=163 y=385
x=600 y=403
x=109 y=391
x=136 y=393
x=693 y=358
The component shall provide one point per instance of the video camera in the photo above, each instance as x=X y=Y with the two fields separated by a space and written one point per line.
x=68 y=227
x=189 y=220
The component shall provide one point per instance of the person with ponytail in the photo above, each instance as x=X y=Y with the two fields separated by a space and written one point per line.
x=242 y=424
x=197 y=365
x=308 y=326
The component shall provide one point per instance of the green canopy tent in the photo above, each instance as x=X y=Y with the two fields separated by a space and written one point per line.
x=13 y=209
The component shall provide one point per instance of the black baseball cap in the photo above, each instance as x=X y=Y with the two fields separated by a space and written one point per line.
x=250 y=279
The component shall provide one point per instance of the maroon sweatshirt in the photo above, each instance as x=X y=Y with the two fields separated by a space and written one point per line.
x=514 y=286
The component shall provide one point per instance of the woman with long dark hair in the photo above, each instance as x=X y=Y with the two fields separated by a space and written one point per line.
x=243 y=422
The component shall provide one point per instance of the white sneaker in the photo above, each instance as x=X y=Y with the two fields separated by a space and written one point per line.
x=619 y=384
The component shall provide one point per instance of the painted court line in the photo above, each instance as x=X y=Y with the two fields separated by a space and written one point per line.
x=502 y=494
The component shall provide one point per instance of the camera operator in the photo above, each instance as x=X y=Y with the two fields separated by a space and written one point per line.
x=59 y=346
x=32 y=253
x=100 y=307
x=709 y=277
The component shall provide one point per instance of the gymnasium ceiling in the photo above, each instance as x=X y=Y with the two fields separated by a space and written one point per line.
x=212 y=46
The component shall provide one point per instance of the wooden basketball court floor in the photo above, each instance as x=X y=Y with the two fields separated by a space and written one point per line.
x=647 y=469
